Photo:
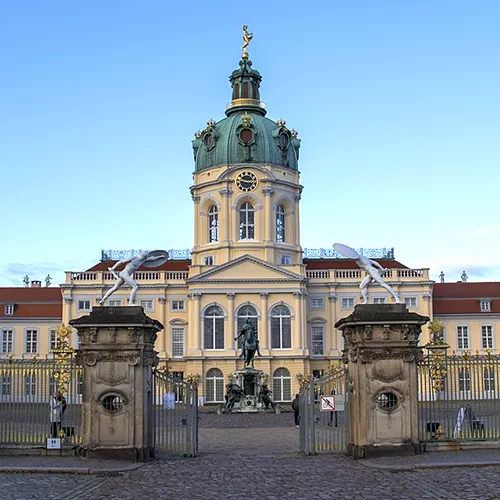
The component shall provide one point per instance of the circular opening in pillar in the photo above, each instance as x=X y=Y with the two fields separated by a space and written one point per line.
x=112 y=403
x=387 y=400
x=249 y=402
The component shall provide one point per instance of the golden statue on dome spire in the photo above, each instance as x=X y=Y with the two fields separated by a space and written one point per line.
x=247 y=37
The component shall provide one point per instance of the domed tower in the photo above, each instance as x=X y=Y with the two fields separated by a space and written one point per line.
x=246 y=188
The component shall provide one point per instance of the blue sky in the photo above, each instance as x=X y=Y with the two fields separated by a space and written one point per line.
x=397 y=105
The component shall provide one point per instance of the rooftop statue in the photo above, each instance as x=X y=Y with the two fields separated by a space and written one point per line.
x=247 y=38
x=371 y=268
x=149 y=259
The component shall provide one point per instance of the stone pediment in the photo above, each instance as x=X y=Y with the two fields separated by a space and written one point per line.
x=247 y=269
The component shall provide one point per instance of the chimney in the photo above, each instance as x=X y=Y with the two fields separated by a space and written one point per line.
x=36 y=284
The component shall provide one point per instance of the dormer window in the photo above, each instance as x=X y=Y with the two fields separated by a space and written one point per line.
x=8 y=309
x=485 y=305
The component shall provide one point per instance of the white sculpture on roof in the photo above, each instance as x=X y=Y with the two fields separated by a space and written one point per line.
x=149 y=259
x=371 y=268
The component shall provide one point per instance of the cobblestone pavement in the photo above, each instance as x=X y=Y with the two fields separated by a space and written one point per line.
x=262 y=463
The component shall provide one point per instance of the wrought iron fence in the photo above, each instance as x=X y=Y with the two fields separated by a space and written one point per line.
x=323 y=412
x=27 y=388
x=175 y=414
x=459 y=397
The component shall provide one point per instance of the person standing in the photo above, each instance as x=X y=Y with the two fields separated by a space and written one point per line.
x=295 y=408
x=56 y=411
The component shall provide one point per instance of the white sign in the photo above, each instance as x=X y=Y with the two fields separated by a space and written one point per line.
x=332 y=403
x=53 y=443
x=327 y=403
x=169 y=401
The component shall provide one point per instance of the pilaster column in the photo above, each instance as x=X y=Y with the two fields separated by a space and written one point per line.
x=162 y=349
x=268 y=213
x=264 y=325
x=226 y=195
x=229 y=340
x=197 y=242
x=335 y=344
x=297 y=333
x=67 y=308
x=195 y=344
x=296 y=225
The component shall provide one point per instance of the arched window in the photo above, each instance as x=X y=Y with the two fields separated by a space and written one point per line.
x=282 y=385
x=214 y=386
x=281 y=328
x=247 y=224
x=246 y=313
x=213 y=224
x=280 y=223
x=213 y=326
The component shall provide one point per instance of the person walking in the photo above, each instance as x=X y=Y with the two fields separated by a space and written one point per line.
x=295 y=408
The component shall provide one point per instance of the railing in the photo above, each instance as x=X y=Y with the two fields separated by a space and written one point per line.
x=348 y=274
x=330 y=253
x=175 y=415
x=357 y=274
x=318 y=274
x=27 y=389
x=101 y=276
x=459 y=397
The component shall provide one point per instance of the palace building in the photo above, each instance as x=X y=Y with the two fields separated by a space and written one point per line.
x=246 y=264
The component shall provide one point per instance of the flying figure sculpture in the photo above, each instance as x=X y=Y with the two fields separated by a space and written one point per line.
x=371 y=268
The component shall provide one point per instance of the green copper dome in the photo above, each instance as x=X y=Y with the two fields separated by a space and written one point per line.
x=246 y=135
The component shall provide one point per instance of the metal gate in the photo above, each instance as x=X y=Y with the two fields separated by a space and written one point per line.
x=459 y=397
x=324 y=422
x=175 y=415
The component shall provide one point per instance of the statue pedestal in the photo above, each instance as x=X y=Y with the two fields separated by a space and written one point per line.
x=117 y=354
x=381 y=352
x=250 y=381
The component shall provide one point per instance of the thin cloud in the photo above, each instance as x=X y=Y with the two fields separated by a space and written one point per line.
x=487 y=229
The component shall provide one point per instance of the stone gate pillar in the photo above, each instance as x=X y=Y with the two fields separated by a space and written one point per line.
x=117 y=355
x=381 y=353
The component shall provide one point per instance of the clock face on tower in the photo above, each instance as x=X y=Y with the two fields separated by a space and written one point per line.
x=246 y=181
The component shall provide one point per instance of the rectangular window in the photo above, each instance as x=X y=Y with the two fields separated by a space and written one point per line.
x=411 y=302
x=463 y=380
x=285 y=260
x=147 y=305
x=317 y=303
x=347 y=303
x=317 y=340
x=463 y=337
x=489 y=379
x=209 y=260
x=485 y=305
x=115 y=303
x=30 y=385
x=177 y=342
x=8 y=309
x=178 y=305
x=487 y=337
x=379 y=300
x=54 y=341
x=6 y=385
x=7 y=341
x=31 y=341
x=83 y=305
